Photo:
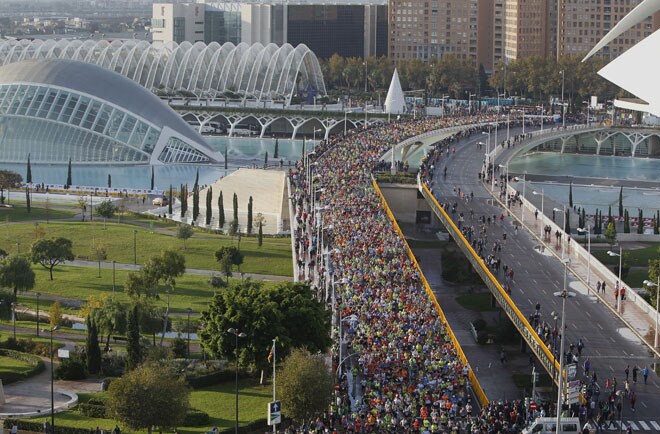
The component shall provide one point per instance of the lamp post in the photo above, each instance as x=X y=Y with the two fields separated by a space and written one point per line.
x=542 y=193
x=13 y=316
x=113 y=277
x=523 y=198
x=366 y=75
x=52 y=383
x=314 y=135
x=189 y=310
x=587 y=229
x=563 y=105
x=38 y=295
x=563 y=229
x=470 y=95
x=587 y=103
x=345 y=115
x=444 y=97
x=18 y=247
x=135 y=246
x=564 y=294
x=619 y=284
x=657 y=297
x=492 y=176
x=554 y=316
x=237 y=334
x=523 y=113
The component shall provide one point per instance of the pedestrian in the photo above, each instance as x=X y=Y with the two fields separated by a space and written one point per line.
x=598 y=287
x=580 y=346
x=627 y=371
x=645 y=373
x=634 y=372
x=633 y=398
x=14 y=429
x=587 y=366
x=502 y=356
x=46 y=427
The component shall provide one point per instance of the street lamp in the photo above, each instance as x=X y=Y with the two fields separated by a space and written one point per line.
x=13 y=316
x=135 y=246
x=444 y=97
x=587 y=103
x=38 y=294
x=563 y=105
x=52 y=382
x=619 y=284
x=564 y=294
x=563 y=228
x=113 y=277
x=345 y=113
x=237 y=334
x=492 y=177
x=542 y=193
x=366 y=75
x=657 y=297
x=470 y=102
x=188 y=330
x=523 y=198
x=587 y=229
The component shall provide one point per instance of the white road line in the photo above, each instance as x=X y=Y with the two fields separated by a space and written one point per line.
x=535 y=282
x=643 y=424
x=599 y=326
x=632 y=425
x=612 y=339
x=644 y=404
x=521 y=290
x=654 y=424
x=588 y=314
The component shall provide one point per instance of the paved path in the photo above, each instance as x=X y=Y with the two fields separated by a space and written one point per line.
x=609 y=343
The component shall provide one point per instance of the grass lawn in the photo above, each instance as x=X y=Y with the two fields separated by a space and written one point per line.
x=217 y=401
x=80 y=283
x=480 y=302
x=19 y=214
x=10 y=365
x=634 y=257
x=4 y=335
x=274 y=257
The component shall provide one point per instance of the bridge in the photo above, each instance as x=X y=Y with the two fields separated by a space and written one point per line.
x=613 y=340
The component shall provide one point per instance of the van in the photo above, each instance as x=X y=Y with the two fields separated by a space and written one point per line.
x=547 y=425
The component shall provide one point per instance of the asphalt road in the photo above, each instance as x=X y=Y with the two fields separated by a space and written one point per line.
x=608 y=343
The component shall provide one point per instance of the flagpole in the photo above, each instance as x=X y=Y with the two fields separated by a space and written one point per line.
x=274 y=395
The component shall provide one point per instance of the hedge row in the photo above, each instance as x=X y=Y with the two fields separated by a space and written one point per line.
x=214 y=378
x=92 y=410
x=11 y=377
x=24 y=425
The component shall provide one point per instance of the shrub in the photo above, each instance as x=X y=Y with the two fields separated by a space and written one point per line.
x=28 y=425
x=196 y=417
x=179 y=348
x=113 y=365
x=156 y=354
x=92 y=410
x=97 y=401
x=11 y=377
x=72 y=368
x=27 y=346
x=106 y=383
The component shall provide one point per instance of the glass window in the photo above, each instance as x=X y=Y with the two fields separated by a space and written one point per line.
x=27 y=99
x=151 y=140
x=138 y=135
x=126 y=129
x=115 y=123
x=37 y=101
x=18 y=98
x=58 y=107
x=80 y=111
x=92 y=114
x=71 y=104
x=102 y=119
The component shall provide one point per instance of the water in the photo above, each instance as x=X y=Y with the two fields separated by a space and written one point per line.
x=242 y=152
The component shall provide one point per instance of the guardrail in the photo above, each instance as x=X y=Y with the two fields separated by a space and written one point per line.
x=550 y=364
x=479 y=392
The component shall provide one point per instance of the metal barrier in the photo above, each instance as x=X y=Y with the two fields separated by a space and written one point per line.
x=550 y=364
x=479 y=392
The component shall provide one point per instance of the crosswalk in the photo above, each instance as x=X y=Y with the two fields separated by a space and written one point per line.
x=636 y=425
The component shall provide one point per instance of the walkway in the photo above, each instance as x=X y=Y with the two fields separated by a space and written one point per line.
x=609 y=343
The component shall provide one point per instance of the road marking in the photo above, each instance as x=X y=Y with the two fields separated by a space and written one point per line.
x=612 y=339
x=599 y=326
x=588 y=314
x=643 y=425
x=632 y=425
x=644 y=404
x=535 y=282
x=521 y=290
x=654 y=424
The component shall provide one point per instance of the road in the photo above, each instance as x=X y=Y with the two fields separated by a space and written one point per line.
x=608 y=343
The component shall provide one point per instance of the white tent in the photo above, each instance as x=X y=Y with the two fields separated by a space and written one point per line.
x=395 y=102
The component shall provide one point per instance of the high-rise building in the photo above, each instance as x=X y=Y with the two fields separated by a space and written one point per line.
x=525 y=28
x=177 y=22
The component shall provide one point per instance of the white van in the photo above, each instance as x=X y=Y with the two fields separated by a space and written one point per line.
x=547 y=425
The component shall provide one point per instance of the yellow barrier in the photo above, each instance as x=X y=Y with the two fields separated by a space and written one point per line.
x=518 y=318
x=473 y=378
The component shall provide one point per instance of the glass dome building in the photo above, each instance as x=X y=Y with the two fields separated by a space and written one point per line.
x=56 y=110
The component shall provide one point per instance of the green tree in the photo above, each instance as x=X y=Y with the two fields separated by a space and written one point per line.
x=567 y=226
x=654 y=272
x=228 y=257
x=92 y=349
x=304 y=385
x=288 y=311
x=110 y=318
x=152 y=178
x=195 y=198
x=570 y=194
x=209 y=205
x=226 y=158
x=235 y=203
x=656 y=223
x=8 y=179
x=55 y=314
x=107 y=210
x=147 y=397
x=621 y=202
x=261 y=234
x=221 y=211
x=69 y=178
x=17 y=274
x=28 y=176
x=610 y=234
x=51 y=253
x=266 y=160
x=640 y=221
x=100 y=253
x=277 y=149
x=28 y=205
x=170 y=202
x=109 y=181
x=626 y=222
x=249 y=216
x=133 y=348
x=183 y=232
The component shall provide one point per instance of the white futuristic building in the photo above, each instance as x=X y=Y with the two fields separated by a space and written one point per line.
x=255 y=72
x=636 y=70
x=56 y=110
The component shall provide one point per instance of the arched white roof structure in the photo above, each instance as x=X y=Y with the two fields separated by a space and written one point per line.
x=258 y=72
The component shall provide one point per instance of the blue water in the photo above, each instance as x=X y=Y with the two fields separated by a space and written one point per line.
x=241 y=152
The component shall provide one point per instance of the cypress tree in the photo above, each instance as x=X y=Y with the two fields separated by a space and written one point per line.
x=626 y=222
x=249 y=216
x=28 y=205
x=195 y=212
x=183 y=205
x=152 y=178
x=169 y=204
x=567 y=227
x=570 y=194
x=209 y=205
x=235 y=200
x=69 y=179
x=261 y=234
x=266 y=160
x=133 y=349
x=225 y=158
x=109 y=181
x=221 y=211
x=277 y=149
x=621 y=201
x=656 y=226
x=609 y=215
x=640 y=220
x=28 y=176
x=92 y=348
x=584 y=218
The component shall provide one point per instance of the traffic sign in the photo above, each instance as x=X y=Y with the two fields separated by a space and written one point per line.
x=274 y=413
x=571 y=371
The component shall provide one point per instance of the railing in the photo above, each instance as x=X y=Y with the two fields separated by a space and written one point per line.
x=528 y=333
x=479 y=392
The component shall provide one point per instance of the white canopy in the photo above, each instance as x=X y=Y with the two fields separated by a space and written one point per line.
x=395 y=101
